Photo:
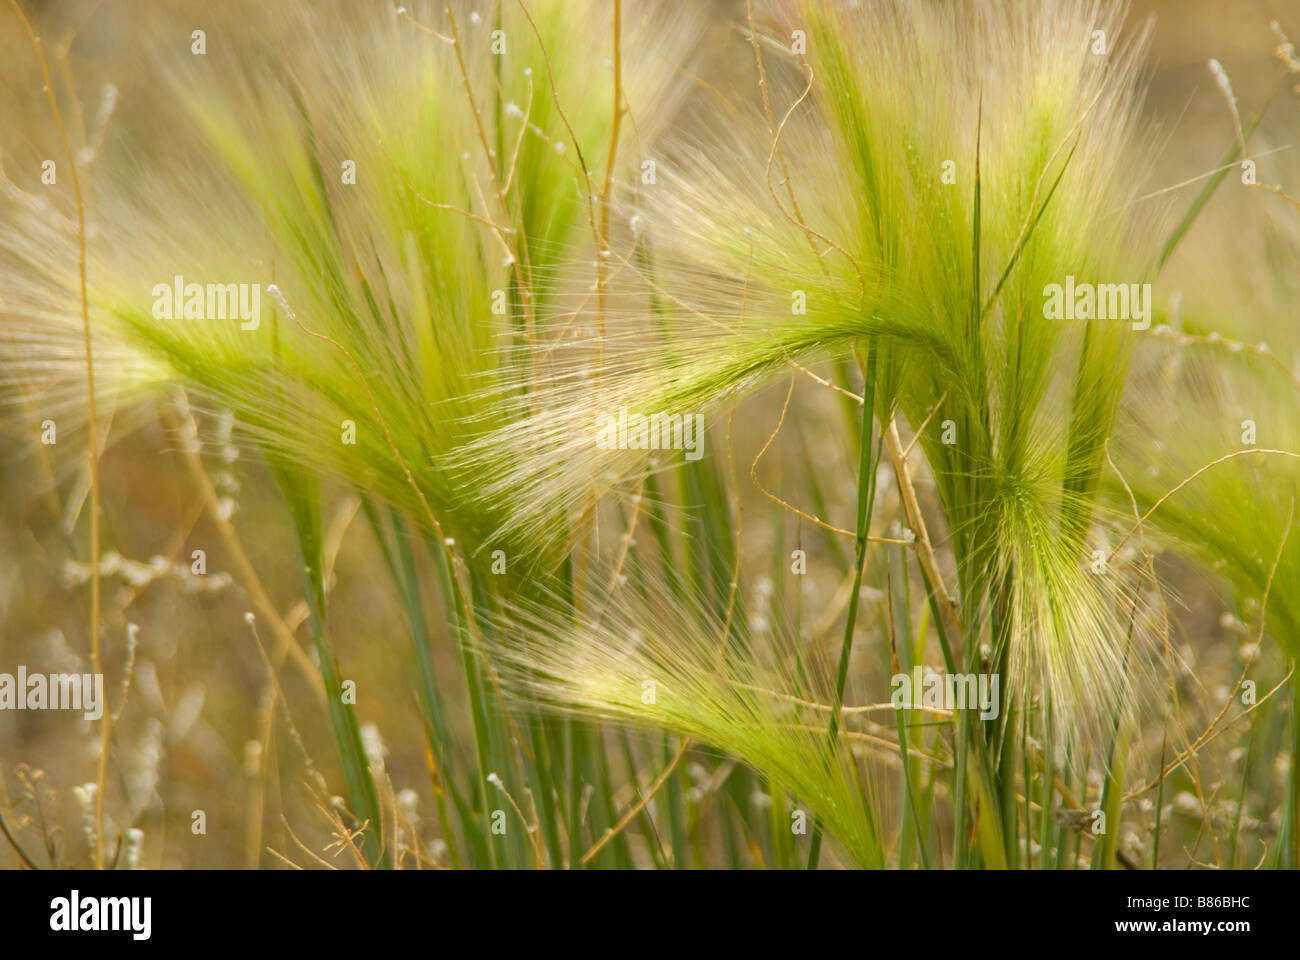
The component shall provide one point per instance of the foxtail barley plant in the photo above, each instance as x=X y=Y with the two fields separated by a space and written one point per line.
x=797 y=435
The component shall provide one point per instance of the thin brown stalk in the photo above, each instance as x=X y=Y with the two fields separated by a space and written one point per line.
x=1210 y=732
x=97 y=663
x=1184 y=339
x=602 y=255
x=637 y=807
x=924 y=423
x=1192 y=476
x=774 y=133
x=22 y=854
x=257 y=800
x=734 y=586
x=818 y=521
x=1206 y=736
x=916 y=520
x=274 y=678
x=525 y=294
x=244 y=571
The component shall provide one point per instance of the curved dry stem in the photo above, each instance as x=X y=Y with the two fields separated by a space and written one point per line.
x=95 y=652
x=637 y=807
x=1196 y=473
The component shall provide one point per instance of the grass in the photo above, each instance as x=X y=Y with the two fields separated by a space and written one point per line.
x=618 y=658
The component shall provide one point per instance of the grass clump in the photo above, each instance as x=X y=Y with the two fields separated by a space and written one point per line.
x=475 y=250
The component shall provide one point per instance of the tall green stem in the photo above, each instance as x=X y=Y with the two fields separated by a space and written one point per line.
x=866 y=496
